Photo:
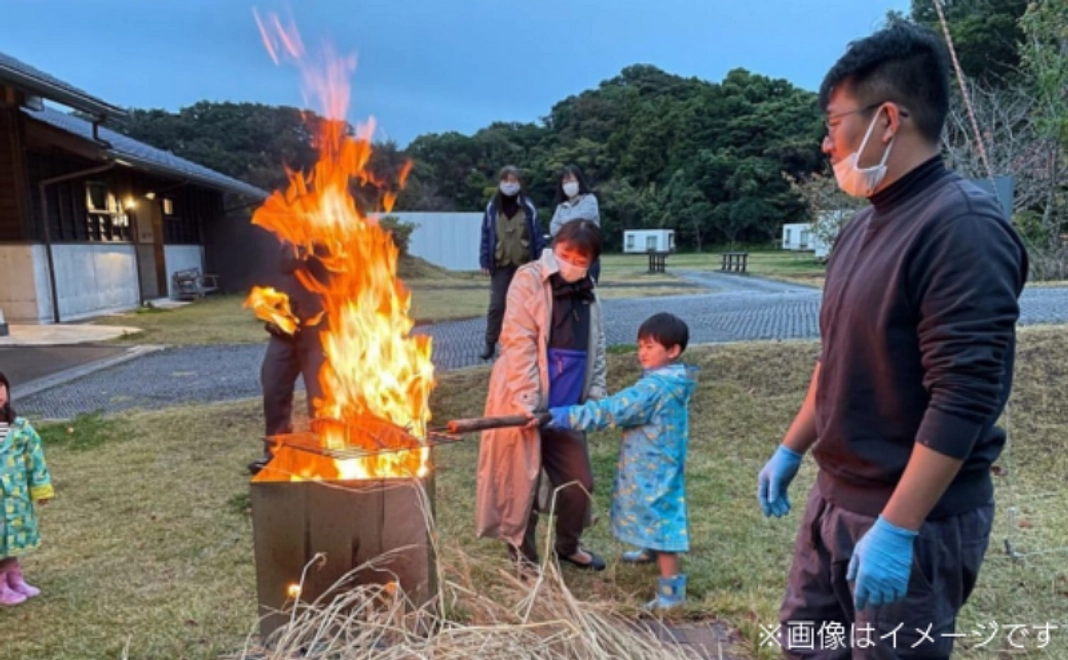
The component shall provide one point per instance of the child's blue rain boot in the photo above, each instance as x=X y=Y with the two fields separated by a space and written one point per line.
x=670 y=592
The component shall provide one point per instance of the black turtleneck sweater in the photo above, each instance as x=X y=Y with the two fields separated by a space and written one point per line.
x=918 y=340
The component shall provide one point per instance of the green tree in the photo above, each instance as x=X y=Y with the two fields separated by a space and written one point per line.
x=659 y=150
x=1045 y=58
x=248 y=141
x=985 y=34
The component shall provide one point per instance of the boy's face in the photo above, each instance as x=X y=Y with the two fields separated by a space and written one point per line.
x=653 y=355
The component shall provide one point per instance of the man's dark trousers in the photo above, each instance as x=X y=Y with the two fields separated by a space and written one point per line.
x=947 y=556
x=286 y=358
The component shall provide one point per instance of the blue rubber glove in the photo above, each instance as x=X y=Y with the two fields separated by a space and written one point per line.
x=774 y=479
x=881 y=565
x=561 y=417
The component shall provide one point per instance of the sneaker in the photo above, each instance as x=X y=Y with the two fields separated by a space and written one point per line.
x=670 y=593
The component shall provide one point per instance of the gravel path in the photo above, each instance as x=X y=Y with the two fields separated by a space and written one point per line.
x=740 y=309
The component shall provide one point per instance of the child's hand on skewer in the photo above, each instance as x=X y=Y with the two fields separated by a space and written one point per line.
x=559 y=418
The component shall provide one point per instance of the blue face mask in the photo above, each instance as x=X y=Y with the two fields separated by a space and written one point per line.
x=509 y=189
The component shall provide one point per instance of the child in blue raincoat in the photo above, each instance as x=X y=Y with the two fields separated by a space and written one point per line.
x=24 y=481
x=649 y=494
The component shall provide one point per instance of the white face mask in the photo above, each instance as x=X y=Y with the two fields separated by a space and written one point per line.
x=569 y=271
x=571 y=188
x=859 y=181
x=509 y=189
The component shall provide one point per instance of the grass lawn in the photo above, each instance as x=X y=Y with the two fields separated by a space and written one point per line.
x=210 y=320
x=466 y=295
x=437 y=295
x=796 y=267
x=783 y=265
x=148 y=544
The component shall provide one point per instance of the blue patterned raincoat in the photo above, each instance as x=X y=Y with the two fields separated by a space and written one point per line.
x=649 y=493
x=24 y=479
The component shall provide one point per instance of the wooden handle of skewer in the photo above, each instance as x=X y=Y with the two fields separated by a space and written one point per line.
x=484 y=423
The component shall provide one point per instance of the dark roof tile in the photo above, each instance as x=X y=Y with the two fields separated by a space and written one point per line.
x=144 y=155
x=38 y=82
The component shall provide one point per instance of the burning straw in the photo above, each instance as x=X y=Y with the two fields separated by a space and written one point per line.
x=520 y=617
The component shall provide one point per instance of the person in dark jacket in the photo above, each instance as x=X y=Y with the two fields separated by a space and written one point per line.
x=289 y=356
x=511 y=237
x=918 y=328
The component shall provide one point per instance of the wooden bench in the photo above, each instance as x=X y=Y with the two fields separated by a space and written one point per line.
x=734 y=262
x=192 y=283
x=657 y=261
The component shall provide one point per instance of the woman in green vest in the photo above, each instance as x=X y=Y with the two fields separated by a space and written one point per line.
x=511 y=237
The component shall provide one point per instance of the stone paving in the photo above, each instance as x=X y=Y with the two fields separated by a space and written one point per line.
x=739 y=309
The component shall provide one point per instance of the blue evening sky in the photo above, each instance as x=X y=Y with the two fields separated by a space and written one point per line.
x=425 y=65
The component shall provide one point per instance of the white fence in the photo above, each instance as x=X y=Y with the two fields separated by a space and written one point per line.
x=448 y=240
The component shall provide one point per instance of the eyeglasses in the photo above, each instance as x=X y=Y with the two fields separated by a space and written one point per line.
x=827 y=122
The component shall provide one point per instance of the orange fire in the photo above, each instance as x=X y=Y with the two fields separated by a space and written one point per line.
x=273 y=307
x=374 y=367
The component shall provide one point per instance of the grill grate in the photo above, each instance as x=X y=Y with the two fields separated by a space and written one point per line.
x=366 y=436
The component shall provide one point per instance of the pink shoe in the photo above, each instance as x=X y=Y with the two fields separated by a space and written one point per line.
x=8 y=596
x=18 y=585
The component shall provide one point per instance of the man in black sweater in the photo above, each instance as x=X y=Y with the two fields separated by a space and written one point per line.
x=918 y=326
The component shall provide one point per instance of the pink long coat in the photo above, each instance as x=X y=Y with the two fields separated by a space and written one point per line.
x=509 y=460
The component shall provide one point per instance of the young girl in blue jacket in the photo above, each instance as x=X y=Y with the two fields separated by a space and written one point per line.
x=649 y=494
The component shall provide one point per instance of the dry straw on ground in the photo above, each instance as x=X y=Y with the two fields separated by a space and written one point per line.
x=527 y=614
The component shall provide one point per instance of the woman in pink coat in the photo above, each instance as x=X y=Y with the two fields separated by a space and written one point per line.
x=552 y=354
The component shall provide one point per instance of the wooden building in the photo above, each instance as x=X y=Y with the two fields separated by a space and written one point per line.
x=92 y=221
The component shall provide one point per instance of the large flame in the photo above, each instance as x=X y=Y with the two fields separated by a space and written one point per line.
x=374 y=368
